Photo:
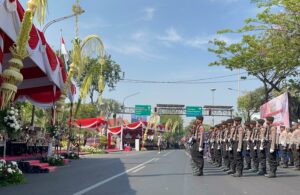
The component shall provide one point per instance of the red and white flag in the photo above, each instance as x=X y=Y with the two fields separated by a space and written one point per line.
x=64 y=51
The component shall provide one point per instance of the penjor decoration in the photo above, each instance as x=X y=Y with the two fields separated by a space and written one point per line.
x=12 y=76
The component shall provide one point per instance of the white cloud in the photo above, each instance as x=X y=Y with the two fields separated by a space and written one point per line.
x=202 y=41
x=133 y=50
x=171 y=35
x=138 y=36
x=149 y=13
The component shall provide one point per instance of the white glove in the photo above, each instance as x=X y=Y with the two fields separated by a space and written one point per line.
x=238 y=150
x=230 y=149
x=271 y=150
x=200 y=149
x=261 y=148
x=255 y=148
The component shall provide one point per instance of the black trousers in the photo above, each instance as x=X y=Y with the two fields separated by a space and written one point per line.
x=232 y=156
x=296 y=154
x=247 y=153
x=284 y=155
x=197 y=158
x=226 y=156
x=254 y=156
x=262 y=158
x=238 y=158
x=272 y=158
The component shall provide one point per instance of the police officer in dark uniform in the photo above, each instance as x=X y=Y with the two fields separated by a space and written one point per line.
x=271 y=136
x=261 y=147
x=247 y=145
x=197 y=148
x=254 y=154
x=237 y=147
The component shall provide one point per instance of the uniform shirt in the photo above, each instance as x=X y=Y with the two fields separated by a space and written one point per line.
x=239 y=136
x=295 y=138
x=271 y=134
x=248 y=134
x=255 y=134
x=283 y=136
x=225 y=134
x=200 y=135
x=289 y=138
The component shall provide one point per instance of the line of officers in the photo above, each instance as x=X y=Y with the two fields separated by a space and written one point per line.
x=256 y=142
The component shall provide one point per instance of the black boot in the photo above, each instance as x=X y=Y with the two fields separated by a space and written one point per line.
x=271 y=175
x=262 y=172
x=230 y=172
x=237 y=174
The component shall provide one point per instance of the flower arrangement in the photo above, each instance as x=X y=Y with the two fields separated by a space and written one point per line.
x=12 y=123
x=92 y=150
x=73 y=156
x=55 y=160
x=53 y=130
x=10 y=173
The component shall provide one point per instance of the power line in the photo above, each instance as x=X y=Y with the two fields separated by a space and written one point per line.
x=195 y=80
x=168 y=82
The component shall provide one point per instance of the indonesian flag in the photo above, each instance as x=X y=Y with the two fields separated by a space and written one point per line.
x=64 y=51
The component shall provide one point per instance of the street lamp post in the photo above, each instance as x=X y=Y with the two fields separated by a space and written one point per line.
x=77 y=10
x=131 y=95
x=213 y=102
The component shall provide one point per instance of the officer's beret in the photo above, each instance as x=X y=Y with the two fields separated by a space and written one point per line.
x=247 y=123
x=238 y=119
x=253 y=122
x=199 y=117
x=230 y=121
x=282 y=126
x=261 y=121
x=270 y=118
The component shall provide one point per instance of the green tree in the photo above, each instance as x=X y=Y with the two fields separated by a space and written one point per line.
x=270 y=49
x=112 y=74
x=250 y=103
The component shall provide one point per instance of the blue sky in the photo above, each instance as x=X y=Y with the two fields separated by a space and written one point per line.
x=159 y=40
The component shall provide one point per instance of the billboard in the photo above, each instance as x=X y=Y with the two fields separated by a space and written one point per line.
x=135 y=118
x=278 y=108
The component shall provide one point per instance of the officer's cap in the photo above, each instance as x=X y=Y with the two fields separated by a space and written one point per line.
x=230 y=121
x=270 y=118
x=261 y=121
x=247 y=123
x=253 y=122
x=238 y=119
x=199 y=117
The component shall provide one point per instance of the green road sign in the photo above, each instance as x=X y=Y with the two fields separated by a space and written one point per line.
x=192 y=111
x=142 y=110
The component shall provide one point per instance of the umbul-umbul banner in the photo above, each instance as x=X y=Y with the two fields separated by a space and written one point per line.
x=279 y=109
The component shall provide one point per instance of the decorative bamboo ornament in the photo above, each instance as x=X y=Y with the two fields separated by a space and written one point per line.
x=12 y=76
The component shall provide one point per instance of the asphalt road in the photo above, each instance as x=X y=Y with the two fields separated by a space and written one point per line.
x=149 y=173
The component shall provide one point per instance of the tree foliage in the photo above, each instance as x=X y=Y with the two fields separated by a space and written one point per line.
x=111 y=72
x=250 y=103
x=269 y=49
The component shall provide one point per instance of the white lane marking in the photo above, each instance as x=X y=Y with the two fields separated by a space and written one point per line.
x=188 y=154
x=111 y=178
x=167 y=153
x=156 y=159
x=137 y=170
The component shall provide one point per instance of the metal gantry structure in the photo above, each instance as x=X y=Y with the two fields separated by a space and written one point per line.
x=218 y=111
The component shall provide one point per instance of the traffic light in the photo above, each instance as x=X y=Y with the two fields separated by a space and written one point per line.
x=155 y=109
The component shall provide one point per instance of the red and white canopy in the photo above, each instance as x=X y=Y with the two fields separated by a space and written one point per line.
x=134 y=129
x=43 y=72
x=89 y=123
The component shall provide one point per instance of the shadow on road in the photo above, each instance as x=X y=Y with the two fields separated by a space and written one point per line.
x=80 y=175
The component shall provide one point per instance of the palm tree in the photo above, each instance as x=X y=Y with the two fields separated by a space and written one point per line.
x=12 y=76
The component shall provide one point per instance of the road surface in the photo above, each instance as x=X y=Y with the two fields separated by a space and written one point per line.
x=149 y=173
